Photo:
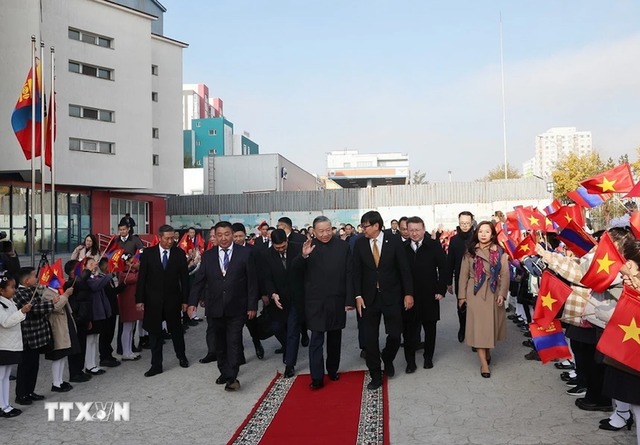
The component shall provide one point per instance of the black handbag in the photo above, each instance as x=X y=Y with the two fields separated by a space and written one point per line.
x=263 y=325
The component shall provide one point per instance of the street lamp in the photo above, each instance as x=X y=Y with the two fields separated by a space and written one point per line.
x=551 y=187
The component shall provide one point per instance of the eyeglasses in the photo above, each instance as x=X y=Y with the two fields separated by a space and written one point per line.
x=364 y=226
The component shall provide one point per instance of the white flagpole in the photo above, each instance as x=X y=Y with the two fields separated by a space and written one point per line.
x=504 y=107
x=52 y=116
x=43 y=135
x=31 y=230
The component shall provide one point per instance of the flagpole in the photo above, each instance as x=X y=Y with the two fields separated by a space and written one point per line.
x=31 y=232
x=52 y=102
x=43 y=136
x=504 y=107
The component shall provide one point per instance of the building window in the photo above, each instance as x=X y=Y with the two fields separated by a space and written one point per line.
x=213 y=132
x=155 y=133
x=154 y=70
x=156 y=159
x=139 y=211
x=91 y=70
x=197 y=143
x=91 y=113
x=88 y=37
x=154 y=96
x=91 y=146
x=198 y=124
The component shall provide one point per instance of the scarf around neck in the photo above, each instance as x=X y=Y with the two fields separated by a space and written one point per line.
x=479 y=277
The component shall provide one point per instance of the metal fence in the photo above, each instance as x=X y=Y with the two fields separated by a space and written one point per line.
x=511 y=190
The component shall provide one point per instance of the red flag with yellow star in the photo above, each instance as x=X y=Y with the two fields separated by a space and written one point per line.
x=185 y=243
x=605 y=265
x=634 y=222
x=526 y=247
x=566 y=214
x=552 y=294
x=531 y=219
x=621 y=338
x=616 y=180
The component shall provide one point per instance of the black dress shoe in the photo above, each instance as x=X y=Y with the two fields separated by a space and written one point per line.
x=304 y=339
x=411 y=368
x=259 y=349
x=486 y=375
x=221 y=380
x=134 y=348
x=363 y=354
x=193 y=323
x=166 y=335
x=153 y=371
x=428 y=364
x=605 y=424
x=36 y=397
x=389 y=369
x=208 y=358
x=184 y=363
x=65 y=387
x=12 y=413
x=25 y=400
x=334 y=377
x=232 y=385
x=110 y=362
x=528 y=343
x=374 y=384
x=279 y=351
x=460 y=335
x=316 y=384
x=80 y=378
x=289 y=371
x=591 y=406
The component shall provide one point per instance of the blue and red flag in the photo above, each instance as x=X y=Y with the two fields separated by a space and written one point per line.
x=79 y=267
x=21 y=118
x=553 y=207
x=51 y=122
x=583 y=198
x=52 y=276
x=136 y=258
x=550 y=342
x=576 y=239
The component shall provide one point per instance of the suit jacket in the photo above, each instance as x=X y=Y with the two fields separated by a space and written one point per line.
x=390 y=281
x=297 y=237
x=287 y=283
x=260 y=243
x=429 y=269
x=162 y=291
x=229 y=295
x=131 y=245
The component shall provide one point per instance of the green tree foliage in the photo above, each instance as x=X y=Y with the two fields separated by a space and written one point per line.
x=498 y=173
x=419 y=178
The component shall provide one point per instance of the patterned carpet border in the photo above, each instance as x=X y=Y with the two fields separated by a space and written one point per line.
x=371 y=427
x=252 y=430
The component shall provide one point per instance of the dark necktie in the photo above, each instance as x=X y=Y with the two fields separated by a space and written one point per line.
x=417 y=244
x=283 y=258
x=165 y=259
x=225 y=260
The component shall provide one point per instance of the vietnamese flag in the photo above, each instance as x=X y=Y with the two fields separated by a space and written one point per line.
x=634 y=222
x=605 y=266
x=199 y=242
x=530 y=219
x=551 y=296
x=185 y=243
x=576 y=239
x=526 y=247
x=550 y=342
x=568 y=213
x=616 y=180
x=621 y=338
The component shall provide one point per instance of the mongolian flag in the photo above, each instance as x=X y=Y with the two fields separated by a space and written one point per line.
x=199 y=242
x=185 y=243
x=552 y=294
x=58 y=271
x=616 y=180
x=526 y=247
x=576 y=239
x=582 y=197
x=513 y=225
x=549 y=341
x=116 y=263
x=530 y=219
x=605 y=265
x=77 y=270
x=136 y=258
x=553 y=207
x=111 y=246
x=51 y=276
x=634 y=222
x=155 y=241
x=51 y=122
x=30 y=96
x=507 y=244
x=565 y=214
x=621 y=338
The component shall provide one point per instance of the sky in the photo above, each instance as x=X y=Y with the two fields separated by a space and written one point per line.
x=418 y=77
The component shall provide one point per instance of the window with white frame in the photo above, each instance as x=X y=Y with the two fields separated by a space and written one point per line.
x=91 y=113
x=91 y=146
x=89 y=37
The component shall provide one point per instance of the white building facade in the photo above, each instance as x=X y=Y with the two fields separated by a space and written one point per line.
x=556 y=143
x=351 y=169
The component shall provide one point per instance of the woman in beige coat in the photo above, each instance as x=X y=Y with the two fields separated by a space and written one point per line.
x=483 y=286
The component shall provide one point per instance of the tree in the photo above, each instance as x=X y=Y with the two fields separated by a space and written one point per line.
x=419 y=178
x=498 y=173
x=572 y=169
x=635 y=166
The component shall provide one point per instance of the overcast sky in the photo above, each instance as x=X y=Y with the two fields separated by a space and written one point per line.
x=417 y=77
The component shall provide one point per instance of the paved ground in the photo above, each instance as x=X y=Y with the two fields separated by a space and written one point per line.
x=522 y=403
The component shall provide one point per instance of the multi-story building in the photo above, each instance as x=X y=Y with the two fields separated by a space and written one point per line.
x=118 y=95
x=196 y=104
x=555 y=144
x=351 y=169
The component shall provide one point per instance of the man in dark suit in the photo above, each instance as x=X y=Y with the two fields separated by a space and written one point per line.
x=263 y=241
x=383 y=287
x=428 y=264
x=328 y=293
x=227 y=276
x=284 y=289
x=161 y=292
x=130 y=243
x=286 y=224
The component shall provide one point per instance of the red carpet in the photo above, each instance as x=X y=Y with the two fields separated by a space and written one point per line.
x=343 y=412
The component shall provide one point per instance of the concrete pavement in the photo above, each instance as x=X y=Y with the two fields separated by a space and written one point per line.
x=523 y=402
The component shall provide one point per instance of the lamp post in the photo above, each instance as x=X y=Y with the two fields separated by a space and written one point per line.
x=449 y=175
x=551 y=186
